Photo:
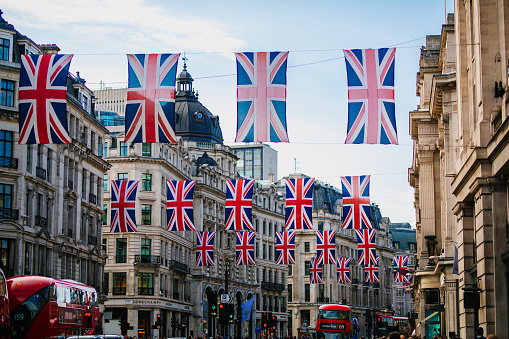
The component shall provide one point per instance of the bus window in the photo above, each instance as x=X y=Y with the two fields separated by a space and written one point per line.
x=2 y=285
x=331 y=314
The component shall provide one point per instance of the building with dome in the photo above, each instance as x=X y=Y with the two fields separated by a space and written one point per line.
x=152 y=272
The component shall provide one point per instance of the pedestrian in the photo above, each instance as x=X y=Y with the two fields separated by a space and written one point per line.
x=479 y=333
x=394 y=335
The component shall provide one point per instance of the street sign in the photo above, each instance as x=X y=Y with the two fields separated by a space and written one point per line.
x=258 y=330
x=226 y=299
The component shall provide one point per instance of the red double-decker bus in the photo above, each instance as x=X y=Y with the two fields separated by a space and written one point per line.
x=5 y=324
x=334 y=321
x=42 y=307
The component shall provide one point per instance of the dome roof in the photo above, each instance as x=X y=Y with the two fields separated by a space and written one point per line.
x=205 y=159
x=193 y=121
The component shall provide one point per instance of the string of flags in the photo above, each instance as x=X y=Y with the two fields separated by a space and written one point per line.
x=261 y=97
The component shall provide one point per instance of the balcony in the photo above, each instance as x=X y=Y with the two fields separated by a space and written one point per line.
x=147 y=260
x=145 y=291
x=178 y=266
x=176 y=295
x=322 y=300
x=40 y=173
x=92 y=198
x=7 y=162
x=9 y=213
x=41 y=221
x=119 y=290
x=92 y=240
x=268 y=285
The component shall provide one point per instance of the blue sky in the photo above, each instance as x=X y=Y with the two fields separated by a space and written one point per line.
x=100 y=33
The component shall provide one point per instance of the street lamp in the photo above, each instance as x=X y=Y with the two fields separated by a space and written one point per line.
x=431 y=242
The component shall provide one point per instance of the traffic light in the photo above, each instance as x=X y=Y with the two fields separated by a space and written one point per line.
x=124 y=326
x=213 y=311
x=174 y=322
x=273 y=321
x=222 y=314
x=230 y=313
x=158 y=321
x=264 y=320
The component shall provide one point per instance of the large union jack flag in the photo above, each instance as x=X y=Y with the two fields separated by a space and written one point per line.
x=150 y=107
x=315 y=271
x=400 y=263
x=238 y=204
x=407 y=282
x=205 y=248
x=356 y=208
x=261 y=97
x=179 y=205
x=244 y=249
x=343 y=270
x=299 y=203
x=123 y=203
x=366 y=247
x=43 y=98
x=326 y=246
x=371 y=271
x=285 y=248
x=371 y=112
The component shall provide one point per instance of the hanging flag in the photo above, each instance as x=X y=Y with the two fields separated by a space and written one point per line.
x=299 y=203
x=179 y=205
x=205 y=248
x=343 y=270
x=238 y=204
x=371 y=271
x=400 y=263
x=245 y=248
x=285 y=248
x=366 y=247
x=246 y=309
x=371 y=112
x=315 y=271
x=261 y=97
x=150 y=107
x=123 y=203
x=326 y=247
x=407 y=282
x=356 y=208
x=455 y=262
x=43 y=98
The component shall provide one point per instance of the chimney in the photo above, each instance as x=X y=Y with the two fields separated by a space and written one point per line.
x=49 y=48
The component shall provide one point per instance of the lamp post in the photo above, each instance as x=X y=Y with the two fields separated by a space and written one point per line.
x=431 y=243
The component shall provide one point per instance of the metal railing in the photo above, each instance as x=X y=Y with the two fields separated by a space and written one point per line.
x=9 y=213
x=92 y=198
x=177 y=265
x=147 y=259
x=92 y=240
x=40 y=173
x=7 y=162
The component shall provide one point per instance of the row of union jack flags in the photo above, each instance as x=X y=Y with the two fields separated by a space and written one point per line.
x=342 y=271
x=261 y=97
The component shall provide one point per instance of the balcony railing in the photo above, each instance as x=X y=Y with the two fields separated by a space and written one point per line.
x=147 y=259
x=92 y=198
x=41 y=221
x=322 y=300
x=9 y=213
x=40 y=173
x=7 y=162
x=145 y=290
x=92 y=240
x=177 y=265
x=272 y=286
x=119 y=290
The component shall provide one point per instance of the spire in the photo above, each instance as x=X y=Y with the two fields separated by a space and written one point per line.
x=185 y=81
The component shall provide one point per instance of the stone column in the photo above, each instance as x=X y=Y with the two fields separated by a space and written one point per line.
x=427 y=199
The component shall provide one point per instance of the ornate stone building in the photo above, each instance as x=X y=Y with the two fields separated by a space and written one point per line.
x=50 y=195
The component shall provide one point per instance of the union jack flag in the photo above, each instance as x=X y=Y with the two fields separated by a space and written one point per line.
x=285 y=248
x=299 y=203
x=261 y=97
x=179 y=205
x=326 y=246
x=356 y=208
x=205 y=248
x=245 y=248
x=371 y=112
x=43 y=98
x=238 y=205
x=150 y=107
x=315 y=271
x=123 y=203
x=366 y=247
x=400 y=262
x=371 y=271
x=407 y=282
x=343 y=270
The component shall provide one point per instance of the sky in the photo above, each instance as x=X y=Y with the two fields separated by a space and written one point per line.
x=100 y=33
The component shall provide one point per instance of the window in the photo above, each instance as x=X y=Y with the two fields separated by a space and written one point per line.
x=306 y=267
x=145 y=246
x=270 y=228
x=146 y=182
x=4 y=49
x=7 y=93
x=264 y=230
x=320 y=225
x=119 y=283
x=121 y=250
x=290 y=290
x=307 y=294
x=122 y=176
x=264 y=255
x=29 y=158
x=270 y=252
x=290 y=269
x=412 y=246
x=145 y=283
x=5 y=201
x=106 y=283
x=146 y=214
x=146 y=150
x=105 y=215
x=105 y=182
x=306 y=247
x=123 y=149
x=6 y=145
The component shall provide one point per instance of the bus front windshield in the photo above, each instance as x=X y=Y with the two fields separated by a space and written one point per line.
x=333 y=315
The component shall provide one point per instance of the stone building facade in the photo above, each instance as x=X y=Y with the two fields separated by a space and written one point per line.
x=51 y=194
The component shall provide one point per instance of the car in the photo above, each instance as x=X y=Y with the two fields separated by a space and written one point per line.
x=96 y=336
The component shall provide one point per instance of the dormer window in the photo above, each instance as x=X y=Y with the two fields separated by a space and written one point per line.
x=198 y=117
x=4 y=49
